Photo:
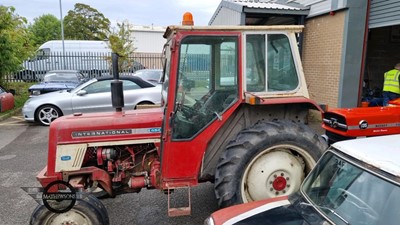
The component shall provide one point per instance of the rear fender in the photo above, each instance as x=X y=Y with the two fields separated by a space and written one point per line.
x=294 y=109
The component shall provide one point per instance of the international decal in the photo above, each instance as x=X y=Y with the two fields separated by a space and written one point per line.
x=101 y=133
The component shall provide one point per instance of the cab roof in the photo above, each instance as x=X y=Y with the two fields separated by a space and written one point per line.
x=382 y=152
x=289 y=28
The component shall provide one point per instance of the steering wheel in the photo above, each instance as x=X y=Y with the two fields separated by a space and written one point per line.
x=187 y=111
x=360 y=204
x=198 y=104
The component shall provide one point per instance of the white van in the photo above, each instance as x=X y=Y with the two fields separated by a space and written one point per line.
x=90 y=57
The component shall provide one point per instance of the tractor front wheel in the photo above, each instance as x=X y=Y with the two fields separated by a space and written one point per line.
x=89 y=211
x=269 y=159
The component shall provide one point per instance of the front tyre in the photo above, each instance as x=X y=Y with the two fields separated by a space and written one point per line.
x=89 y=211
x=269 y=159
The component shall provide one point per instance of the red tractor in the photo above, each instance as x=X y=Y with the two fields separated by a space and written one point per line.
x=234 y=112
x=360 y=122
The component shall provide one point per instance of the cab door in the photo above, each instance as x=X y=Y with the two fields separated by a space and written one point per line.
x=203 y=90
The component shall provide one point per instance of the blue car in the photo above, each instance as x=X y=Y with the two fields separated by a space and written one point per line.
x=57 y=80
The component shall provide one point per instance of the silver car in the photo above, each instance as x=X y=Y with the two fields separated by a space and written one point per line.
x=92 y=96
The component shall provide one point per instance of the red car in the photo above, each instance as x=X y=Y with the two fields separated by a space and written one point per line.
x=6 y=99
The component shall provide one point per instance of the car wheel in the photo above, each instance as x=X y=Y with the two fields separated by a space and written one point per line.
x=47 y=114
x=142 y=105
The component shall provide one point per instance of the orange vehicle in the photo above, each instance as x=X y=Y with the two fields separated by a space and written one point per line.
x=349 y=123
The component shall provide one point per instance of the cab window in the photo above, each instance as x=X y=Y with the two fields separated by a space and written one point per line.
x=269 y=63
x=207 y=83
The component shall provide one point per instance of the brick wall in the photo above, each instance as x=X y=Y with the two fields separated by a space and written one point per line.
x=321 y=57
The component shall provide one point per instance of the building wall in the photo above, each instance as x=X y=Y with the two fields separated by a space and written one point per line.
x=148 y=39
x=319 y=7
x=227 y=16
x=322 y=56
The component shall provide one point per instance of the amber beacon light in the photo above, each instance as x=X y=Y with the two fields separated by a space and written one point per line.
x=187 y=19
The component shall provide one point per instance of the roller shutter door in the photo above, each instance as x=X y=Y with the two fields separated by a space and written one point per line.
x=384 y=13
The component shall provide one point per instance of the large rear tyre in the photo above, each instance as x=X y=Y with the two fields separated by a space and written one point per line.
x=269 y=159
x=89 y=211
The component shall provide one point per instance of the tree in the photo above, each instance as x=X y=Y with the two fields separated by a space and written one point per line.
x=121 y=42
x=45 y=28
x=15 y=41
x=86 y=23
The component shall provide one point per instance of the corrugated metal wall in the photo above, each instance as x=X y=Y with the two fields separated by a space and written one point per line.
x=227 y=16
x=318 y=7
x=384 y=13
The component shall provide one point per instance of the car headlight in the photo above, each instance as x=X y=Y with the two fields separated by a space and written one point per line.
x=209 y=221
x=35 y=92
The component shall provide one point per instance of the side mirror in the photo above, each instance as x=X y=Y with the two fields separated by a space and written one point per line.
x=12 y=91
x=81 y=92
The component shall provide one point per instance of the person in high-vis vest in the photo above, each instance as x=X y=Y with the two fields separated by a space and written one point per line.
x=391 y=87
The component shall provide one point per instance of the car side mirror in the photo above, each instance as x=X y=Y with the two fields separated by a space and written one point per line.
x=81 y=92
x=12 y=91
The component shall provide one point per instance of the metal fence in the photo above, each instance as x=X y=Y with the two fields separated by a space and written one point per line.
x=91 y=64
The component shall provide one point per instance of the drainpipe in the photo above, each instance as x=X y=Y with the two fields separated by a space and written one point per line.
x=364 y=54
x=301 y=36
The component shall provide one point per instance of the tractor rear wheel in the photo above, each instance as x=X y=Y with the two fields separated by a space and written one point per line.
x=269 y=159
x=89 y=211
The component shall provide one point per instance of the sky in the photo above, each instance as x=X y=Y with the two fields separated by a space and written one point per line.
x=137 y=12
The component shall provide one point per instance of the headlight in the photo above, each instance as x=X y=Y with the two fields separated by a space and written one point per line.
x=35 y=92
x=209 y=221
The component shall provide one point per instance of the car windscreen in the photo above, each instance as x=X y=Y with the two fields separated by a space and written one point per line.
x=350 y=194
x=60 y=77
x=149 y=75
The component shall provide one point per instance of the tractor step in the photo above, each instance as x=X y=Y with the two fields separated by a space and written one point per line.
x=179 y=211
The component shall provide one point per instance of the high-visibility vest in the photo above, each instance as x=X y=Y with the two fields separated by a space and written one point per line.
x=391 y=82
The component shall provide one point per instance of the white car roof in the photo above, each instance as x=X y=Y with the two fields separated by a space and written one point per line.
x=382 y=152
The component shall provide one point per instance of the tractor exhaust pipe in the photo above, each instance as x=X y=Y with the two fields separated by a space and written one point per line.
x=117 y=94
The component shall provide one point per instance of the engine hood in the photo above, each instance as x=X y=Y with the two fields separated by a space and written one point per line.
x=363 y=121
x=111 y=126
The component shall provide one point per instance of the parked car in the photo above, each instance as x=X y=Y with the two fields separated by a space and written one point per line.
x=6 y=99
x=135 y=67
x=355 y=182
x=152 y=75
x=92 y=96
x=56 y=80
